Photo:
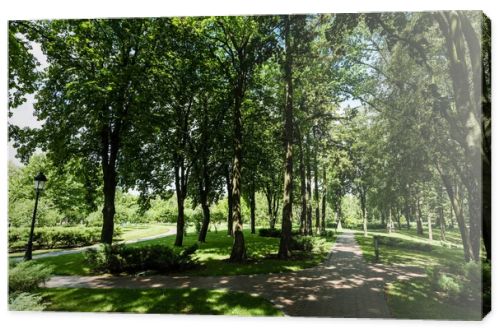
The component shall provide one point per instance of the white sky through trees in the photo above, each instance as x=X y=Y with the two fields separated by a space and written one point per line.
x=23 y=115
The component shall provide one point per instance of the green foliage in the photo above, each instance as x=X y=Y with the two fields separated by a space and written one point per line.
x=68 y=195
x=449 y=285
x=269 y=232
x=53 y=237
x=26 y=276
x=26 y=302
x=117 y=259
x=303 y=243
x=23 y=74
x=327 y=234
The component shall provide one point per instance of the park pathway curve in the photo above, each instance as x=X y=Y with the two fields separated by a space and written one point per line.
x=345 y=285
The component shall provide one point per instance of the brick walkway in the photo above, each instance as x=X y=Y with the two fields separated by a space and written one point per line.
x=345 y=285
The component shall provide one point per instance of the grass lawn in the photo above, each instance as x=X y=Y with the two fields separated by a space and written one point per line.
x=417 y=298
x=211 y=256
x=411 y=250
x=187 y=301
x=136 y=231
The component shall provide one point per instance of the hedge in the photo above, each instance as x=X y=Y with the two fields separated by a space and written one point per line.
x=117 y=259
x=53 y=237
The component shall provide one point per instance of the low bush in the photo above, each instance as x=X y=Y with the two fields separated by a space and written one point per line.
x=25 y=301
x=53 y=237
x=458 y=282
x=450 y=285
x=327 y=234
x=270 y=232
x=116 y=259
x=25 y=276
x=302 y=243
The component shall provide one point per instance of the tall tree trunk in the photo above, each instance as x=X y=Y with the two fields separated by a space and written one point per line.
x=308 y=189
x=270 y=211
x=462 y=45
x=229 y=187
x=252 y=210
x=109 y=154
x=429 y=224
x=238 y=252
x=206 y=222
x=180 y=220
x=363 y=209
x=452 y=222
x=389 y=225
x=442 y=225
x=286 y=224
x=340 y=217
x=464 y=233
x=108 y=210
x=398 y=218
x=180 y=192
x=418 y=214
x=407 y=217
x=204 y=189
x=486 y=133
x=316 y=188
x=303 y=196
x=323 y=203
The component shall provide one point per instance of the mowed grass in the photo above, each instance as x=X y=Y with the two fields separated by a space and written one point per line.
x=416 y=298
x=136 y=231
x=174 y=301
x=212 y=256
x=410 y=251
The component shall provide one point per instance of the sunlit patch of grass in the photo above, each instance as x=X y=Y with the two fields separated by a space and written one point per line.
x=174 y=301
x=407 y=253
x=136 y=231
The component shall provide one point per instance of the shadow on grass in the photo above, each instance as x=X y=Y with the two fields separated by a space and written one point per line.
x=416 y=299
x=174 y=301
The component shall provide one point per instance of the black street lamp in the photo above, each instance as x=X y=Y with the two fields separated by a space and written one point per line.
x=40 y=180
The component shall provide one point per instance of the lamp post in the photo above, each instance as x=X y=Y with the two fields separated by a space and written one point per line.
x=40 y=180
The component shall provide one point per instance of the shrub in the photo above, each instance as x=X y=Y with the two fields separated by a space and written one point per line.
x=269 y=232
x=54 y=237
x=450 y=285
x=25 y=276
x=327 y=234
x=302 y=243
x=116 y=259
x=25 y=301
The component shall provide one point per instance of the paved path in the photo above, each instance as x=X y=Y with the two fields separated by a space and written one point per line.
x=81 y=249
x=343 y=286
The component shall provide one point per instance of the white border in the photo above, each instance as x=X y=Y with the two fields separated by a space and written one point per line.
x=74 y=323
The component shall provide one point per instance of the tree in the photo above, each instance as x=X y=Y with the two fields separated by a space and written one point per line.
x=244 y=43
x=94 y=93
x=23 y=73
